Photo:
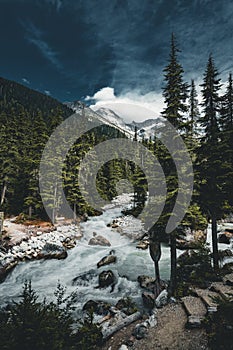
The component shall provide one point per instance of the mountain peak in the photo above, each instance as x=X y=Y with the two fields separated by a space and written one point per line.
x=146 y=128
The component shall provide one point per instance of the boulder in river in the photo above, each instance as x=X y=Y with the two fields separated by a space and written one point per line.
x=224 y=237
x=4 y=270
x=69 y=243
x=84 y=279
x=225 y=253
x=143 y=244
x=106 y=279
x=106 y=260
x=52 y=251
x=99 y=240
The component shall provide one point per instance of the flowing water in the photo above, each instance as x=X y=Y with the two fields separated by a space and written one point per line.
x=81 y=260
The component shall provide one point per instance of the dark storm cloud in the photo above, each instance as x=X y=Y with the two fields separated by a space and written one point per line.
x=35 y=37
x=139 y=32
x=80 y=46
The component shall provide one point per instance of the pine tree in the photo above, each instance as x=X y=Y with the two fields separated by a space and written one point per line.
x=211 y=102
x=9 y=160
x=209 y=164
x=226 y=126
x=175 y=94
x=38 y=137
x=193 y=112
x=176 y=90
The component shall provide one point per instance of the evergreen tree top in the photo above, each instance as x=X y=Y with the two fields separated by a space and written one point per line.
x=175 y=91
x=211 y=100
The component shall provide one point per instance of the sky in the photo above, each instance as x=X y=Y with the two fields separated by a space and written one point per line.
x=111 y=51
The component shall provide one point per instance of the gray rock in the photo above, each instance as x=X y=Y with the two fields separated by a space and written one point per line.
x=140 y=331
x=99 y=240
x=84 y=279
x=173 y=300
x=143 y=245
x=194 y=322
x=224 y=238
x=162 y=299
x=106 y=279
x=52 y=251
x=123 y=347
x=109 y=259
x=151 y=321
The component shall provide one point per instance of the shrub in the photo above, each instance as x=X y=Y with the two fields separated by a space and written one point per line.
x=31 y=324
x=89 y=335
x=220 y=326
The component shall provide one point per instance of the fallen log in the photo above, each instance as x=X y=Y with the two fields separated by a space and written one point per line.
x=123 y=323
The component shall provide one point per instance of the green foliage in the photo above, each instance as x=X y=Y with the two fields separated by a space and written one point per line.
x=226 y=134
x=127 y=305
x=182 y=289
x=194 y=218
x=89 y=335
x=26 y=122
x=175 y=91
x=175 y=95
x=200 y=257
x=31 y=324
x=14 y=96
x=210 y=166
x=194 y=268
x=220 y=326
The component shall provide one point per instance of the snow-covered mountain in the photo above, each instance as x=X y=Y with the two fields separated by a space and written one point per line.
x=148 y=128
x=145 y=129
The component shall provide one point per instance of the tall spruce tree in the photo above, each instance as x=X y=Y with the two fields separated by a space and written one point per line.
x=226 y=121
x=175 y=93
x=226 y=126
x=193 y=111
x=209 y=163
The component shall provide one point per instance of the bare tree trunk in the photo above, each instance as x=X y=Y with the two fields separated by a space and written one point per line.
x=1 y=223
x=155 y=253
x=54 y=204
x=157 y=273
x=30 y=211
x=3 y=194
x=214 y=242
x=158 y=288
x=173 y=276
x=75 y=212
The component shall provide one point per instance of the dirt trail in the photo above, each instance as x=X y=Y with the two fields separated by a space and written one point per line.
x=169 y=334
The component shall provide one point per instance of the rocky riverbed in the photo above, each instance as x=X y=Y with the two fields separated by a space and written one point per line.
x=23 y=243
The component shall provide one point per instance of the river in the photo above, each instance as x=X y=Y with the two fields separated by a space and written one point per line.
x=131 y=262
x=82 y=260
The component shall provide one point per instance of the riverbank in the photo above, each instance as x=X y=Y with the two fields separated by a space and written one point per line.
x=182 y=324
x=170 y=333
x=22 y=243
